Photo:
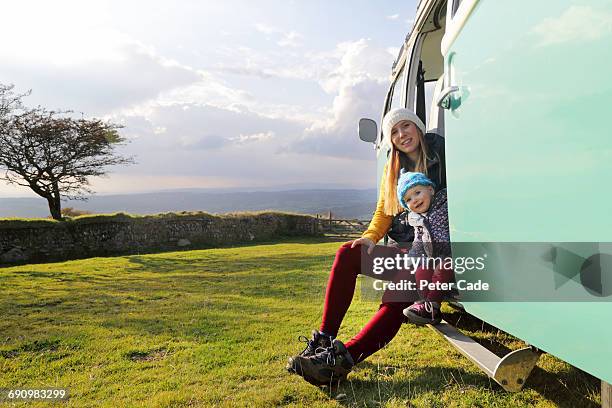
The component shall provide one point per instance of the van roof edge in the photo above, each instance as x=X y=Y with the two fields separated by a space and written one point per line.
x=423 y=9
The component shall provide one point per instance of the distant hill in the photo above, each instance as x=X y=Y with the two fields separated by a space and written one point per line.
x=344 y=203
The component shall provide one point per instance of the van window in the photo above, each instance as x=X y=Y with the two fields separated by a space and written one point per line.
x=456 y=4
x=429 y=89
x=398 y=91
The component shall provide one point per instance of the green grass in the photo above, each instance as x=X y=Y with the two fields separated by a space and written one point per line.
x=215 y=327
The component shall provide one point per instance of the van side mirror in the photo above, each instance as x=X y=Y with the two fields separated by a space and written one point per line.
x=367 y=130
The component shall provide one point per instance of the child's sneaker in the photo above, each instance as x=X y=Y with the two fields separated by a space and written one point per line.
x=422 y=313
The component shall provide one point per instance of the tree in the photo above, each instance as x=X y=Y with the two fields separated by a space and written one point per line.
x=54 y=154
x=9 y=101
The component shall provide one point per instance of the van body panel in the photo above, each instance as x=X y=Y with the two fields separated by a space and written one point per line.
x=529 y=159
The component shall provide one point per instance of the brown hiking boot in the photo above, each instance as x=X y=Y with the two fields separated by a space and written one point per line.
x=318 y=340
x=326 y=366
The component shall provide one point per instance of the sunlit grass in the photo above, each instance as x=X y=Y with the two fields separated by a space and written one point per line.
x=215 y=327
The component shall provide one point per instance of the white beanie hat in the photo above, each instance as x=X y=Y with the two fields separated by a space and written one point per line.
x=397 y=115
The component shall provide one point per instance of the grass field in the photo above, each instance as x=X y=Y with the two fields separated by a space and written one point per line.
x=215 y=327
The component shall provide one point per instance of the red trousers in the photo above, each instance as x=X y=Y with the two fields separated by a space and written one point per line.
x=384 y=325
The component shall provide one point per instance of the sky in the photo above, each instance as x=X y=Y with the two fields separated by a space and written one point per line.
x=213 y=94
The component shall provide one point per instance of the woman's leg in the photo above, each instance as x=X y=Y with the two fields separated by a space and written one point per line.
x=379 y=331
x=340 y=287
x=385 y=324
x=387 y=321
x=349 y=263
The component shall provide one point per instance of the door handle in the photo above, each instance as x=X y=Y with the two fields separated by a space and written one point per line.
x=444 y=100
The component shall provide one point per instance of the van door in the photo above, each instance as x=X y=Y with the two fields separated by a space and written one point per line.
x=529 y=157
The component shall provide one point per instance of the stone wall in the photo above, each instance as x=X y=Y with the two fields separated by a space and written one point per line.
x=41 y=241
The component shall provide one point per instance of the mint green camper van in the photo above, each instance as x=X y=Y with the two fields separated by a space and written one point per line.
x=521 y=92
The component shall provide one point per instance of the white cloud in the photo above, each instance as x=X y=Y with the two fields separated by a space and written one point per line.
x=267 y=29
x=353 y=74
x=209 y=90
x=287 y=38
x=393 y=51
x=290 y=39
x=74 y=60
x=576 y=24
x=203 y=146
x=179 y=127
x=359 y=84
x=257 y=137
x=393 y=17
x=197 y=125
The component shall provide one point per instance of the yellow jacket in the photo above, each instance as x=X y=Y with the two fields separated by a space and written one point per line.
x=380 y=223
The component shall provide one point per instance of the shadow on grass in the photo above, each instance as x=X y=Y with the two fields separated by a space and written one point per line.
x=563 y=390
x=217 y=263
x=384 y=385
x=193 y=247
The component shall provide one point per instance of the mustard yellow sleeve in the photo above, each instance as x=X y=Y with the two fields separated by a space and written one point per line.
x=381 y=222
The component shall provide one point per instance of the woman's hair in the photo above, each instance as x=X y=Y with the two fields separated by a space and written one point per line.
x=392 y=205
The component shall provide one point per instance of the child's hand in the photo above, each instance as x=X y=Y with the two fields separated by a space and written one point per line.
x=368 y=243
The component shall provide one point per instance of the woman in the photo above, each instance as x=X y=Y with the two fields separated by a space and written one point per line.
x=326 y=359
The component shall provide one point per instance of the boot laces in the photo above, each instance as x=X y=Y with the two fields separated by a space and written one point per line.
x=311 y=344
x=326 y=355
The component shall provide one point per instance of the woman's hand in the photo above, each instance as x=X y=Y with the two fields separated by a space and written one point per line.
x=368 y=243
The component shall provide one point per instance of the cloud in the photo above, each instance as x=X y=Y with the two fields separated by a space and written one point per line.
x=267 y=29
x=246 y=70
x=256 y=137
x=101 y=86
x=359 y=84
x=354 y=75
x=190 y=123
x=576 y=24
x=204 y=145
x=290 y=39
x=183 y=127
x=71 y=62
x=209 y=90
x=393 y=17
x=287 y=38
x=394 y=51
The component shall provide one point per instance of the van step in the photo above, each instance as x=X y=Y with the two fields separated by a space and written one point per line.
x=510 y=371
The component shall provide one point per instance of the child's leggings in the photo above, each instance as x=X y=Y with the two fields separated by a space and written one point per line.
x=438 y=275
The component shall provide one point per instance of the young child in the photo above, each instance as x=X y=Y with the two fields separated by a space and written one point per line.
x=428 y=214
